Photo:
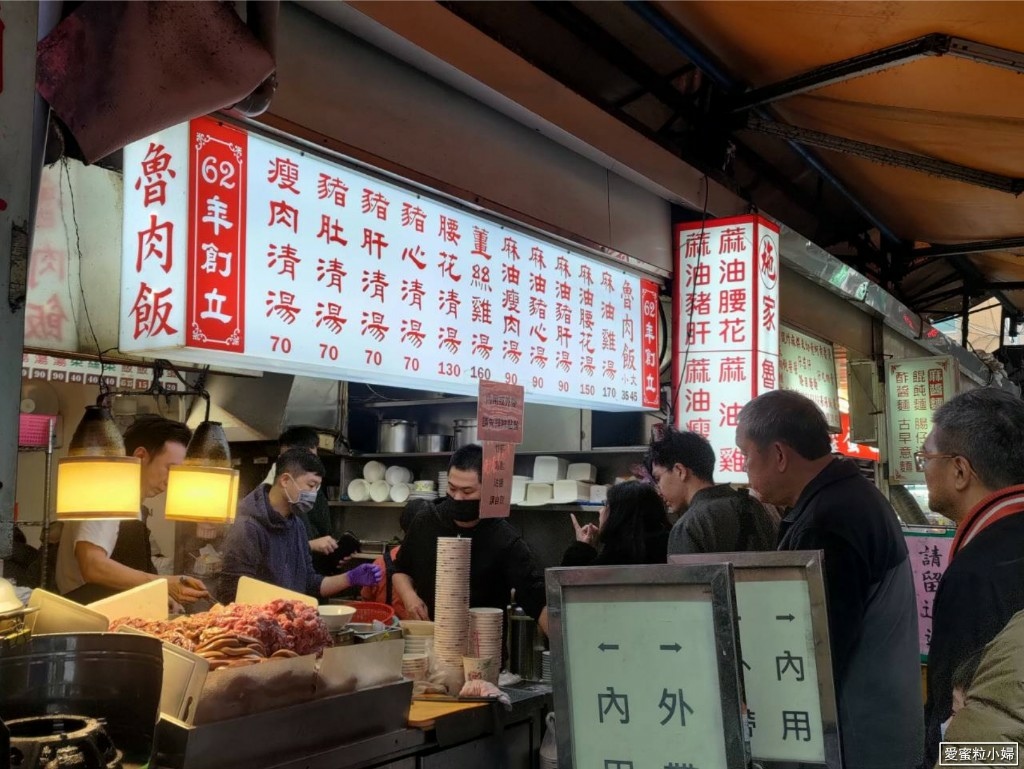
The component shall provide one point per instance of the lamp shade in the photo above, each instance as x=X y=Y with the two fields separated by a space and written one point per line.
x=204 y=488
x=96 y=480
x=198 y=494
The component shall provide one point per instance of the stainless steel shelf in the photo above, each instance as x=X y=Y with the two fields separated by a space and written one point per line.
x=422 y=455
x=424 y=402
x=552 y=508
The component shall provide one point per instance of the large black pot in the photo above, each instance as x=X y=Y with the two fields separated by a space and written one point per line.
x=113 y=676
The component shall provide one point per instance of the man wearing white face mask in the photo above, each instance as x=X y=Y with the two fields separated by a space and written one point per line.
x=268 y=540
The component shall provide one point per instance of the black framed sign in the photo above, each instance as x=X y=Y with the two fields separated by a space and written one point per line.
x=786 y=659
x=646 y=667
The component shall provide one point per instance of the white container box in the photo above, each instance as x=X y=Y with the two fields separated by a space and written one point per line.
x=549 y=469
x=538 y=494
x=567 y=492
x=582 y=471
x=599 y=493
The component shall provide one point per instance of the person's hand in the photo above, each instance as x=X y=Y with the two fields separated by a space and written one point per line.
x=587 y=533
x=418 y=610
x=186 y=589
x=366 y=575
x=323 y=545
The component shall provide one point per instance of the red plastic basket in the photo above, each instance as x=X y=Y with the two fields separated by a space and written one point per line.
x=368 y=611
x=34 y=429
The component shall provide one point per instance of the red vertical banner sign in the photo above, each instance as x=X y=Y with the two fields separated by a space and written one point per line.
x=651 y=379
x=499 y=416
x=216 y=244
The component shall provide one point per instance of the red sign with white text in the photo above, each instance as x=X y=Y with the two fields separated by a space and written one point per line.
x=216 y=254
x=650 y=374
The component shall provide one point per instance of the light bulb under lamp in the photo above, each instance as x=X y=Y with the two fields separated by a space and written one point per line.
x=98 y=488
x=198 y=494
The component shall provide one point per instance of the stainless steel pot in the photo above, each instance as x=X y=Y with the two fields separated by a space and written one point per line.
x=113 y=676
x=396 y=436
x=465 y=433
x=433 y=442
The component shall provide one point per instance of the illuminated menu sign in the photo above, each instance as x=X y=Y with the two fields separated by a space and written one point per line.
x=726 y=349
x=808 y=367
x=243 y=251
x=913 y=390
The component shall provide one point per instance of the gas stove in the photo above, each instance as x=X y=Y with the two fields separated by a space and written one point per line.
x=64 y=742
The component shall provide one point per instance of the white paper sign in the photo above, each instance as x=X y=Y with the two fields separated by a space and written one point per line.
x=913 y=390
x=808 y=367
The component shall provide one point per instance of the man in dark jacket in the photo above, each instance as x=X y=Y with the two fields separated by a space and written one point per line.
x=268 y=541
x=973 y=463
x=712 y=518
x=868 y=583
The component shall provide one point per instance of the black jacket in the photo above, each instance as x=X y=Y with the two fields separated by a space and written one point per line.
x=582 y=554
x=872 y=612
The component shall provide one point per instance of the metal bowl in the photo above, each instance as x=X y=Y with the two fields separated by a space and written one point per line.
x=112 y=676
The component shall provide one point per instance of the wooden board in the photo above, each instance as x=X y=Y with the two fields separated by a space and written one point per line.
x=148 y=601
x=423 y=715
x=255 y=591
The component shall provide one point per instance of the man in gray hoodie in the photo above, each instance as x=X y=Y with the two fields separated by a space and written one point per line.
x=268 y=540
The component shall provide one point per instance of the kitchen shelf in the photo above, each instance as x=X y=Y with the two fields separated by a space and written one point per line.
x=423 y=402
x=574 y=452
x=554 y=508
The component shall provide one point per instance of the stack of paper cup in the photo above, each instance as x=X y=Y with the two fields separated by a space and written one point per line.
x=485 y=635
x=451 y=609
x=415 y=666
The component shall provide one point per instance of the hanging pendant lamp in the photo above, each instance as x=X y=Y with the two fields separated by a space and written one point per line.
x=204 y=488
x=96 y=481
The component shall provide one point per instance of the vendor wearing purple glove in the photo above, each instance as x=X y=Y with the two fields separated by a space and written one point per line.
x=269 y=542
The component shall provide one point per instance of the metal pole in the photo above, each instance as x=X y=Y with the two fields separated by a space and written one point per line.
x=44 y=537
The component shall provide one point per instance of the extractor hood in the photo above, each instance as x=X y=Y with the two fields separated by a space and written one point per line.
x=259 y=408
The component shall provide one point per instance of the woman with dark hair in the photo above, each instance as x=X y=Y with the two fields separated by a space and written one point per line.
x=632 y=528
x=383 y=591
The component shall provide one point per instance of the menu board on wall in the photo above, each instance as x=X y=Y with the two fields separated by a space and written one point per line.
x=726 y=349
x=121 y=376
x=929 y=556
x=644 y=667
x=247 y=252
x=913 y=390
x=808 y=366
x=787 y=673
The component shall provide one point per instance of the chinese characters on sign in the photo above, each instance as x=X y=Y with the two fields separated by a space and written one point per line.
x=118 y=375
x=643 y=698
x=929 y=554
x=978 y=754
x=914 y=389
x=499 y=418
x=808 y=367
x=300 y=264
x=153 y=244
x=49 y=315
x=496 y=479
x=727 y=321
x=216 y=263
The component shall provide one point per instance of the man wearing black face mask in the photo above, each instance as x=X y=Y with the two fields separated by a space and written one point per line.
x=268 y=540
x=500 y=558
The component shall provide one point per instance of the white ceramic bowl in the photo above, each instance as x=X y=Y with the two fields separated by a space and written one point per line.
x=400 y=492
x=374 y=471
x=380 y=491
x=359 y=490
x=396 y=474
x=336 y=616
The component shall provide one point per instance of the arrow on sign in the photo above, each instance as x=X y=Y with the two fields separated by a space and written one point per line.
x=608 y=647
x=786 y=617
x=670 y=647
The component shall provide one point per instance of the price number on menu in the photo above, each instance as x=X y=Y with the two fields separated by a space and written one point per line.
x=479 y=372
x=374 y=357
x=449 y=369
x=629 y=396
x=281 y=344
x=511 y=378
x=411 y=363
x=587 y=389
x=328 y=352
x=608 y=392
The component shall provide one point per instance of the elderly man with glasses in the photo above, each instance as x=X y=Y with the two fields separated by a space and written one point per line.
x=973 y=463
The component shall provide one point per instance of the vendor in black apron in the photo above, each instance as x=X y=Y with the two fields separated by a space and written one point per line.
x=97 y=559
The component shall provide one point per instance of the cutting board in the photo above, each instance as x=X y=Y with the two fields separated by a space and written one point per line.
x=424 y=715
x=59 y=615
x=148 y=601
x=255 y=591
